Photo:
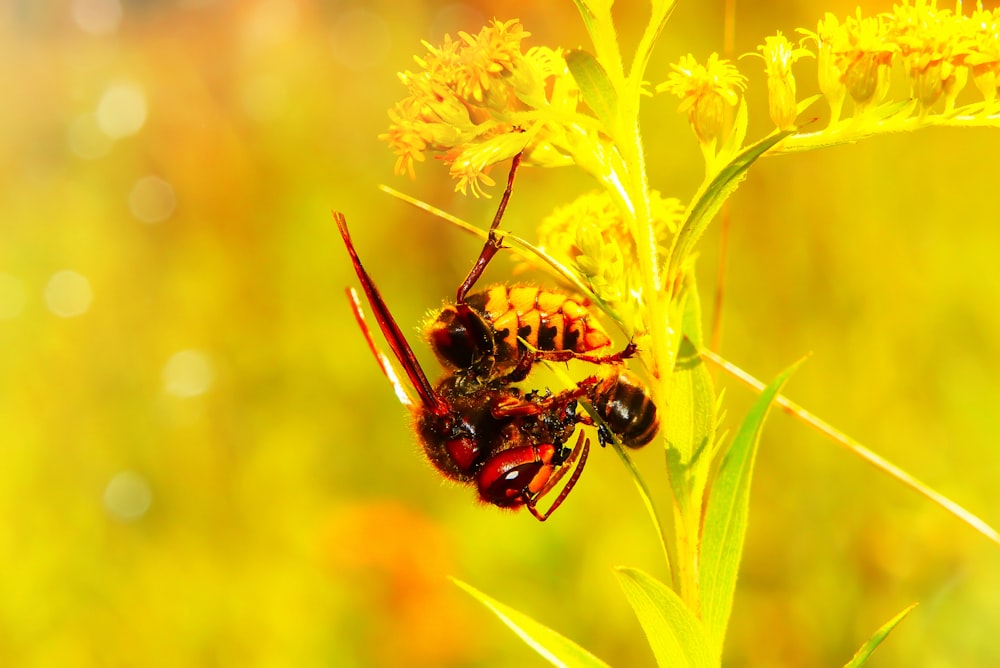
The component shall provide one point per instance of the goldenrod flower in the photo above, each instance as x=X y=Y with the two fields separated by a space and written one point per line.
x=779 y=55
x=927 y=38
x=486 y=57
x=979 y=50
x=866 y=58
x=853 y=56
x=939 y=50
x=705 y=91
x=469 y=166
x=591 y=235
x=830 y=41
x=478 y=100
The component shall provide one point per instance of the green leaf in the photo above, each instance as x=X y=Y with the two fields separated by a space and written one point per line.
x=600 y=25
x=689 y=427
x=691 y=398
x=556 y=649
x=710 y=198
x=861 y=656
x=726 y=517
x=738 y=135
x=674 y=633
x=595 y=87
x=660 y=12
x=691 y=317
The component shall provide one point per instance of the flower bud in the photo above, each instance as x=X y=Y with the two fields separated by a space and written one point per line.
x=985 y=78
x=861 y=78
x=707 y=116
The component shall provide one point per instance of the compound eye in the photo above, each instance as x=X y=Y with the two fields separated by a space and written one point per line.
x=511 y=489
x=511 y=477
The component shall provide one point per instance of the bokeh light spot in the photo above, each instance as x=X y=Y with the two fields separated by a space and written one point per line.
x=12 y=297
x=68 y=294
x=360 y=39
x=152 y=199
x=86 y=139
x=128 y=496
x=272 y=21
x=121 y=110
x=187 y=373
x=97 y=17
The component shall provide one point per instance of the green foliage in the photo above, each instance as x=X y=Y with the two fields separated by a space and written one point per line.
x=726 y=516
x=596 y=87
x=865 y=651
x=675 y=634
x=710 y=198
x=556 y=649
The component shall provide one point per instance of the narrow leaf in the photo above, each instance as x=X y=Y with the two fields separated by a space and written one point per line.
x=554 y=648
x=674 y=633
x=689 y=426
x=710 y=198
x=691 y=397
x=661 y=10
x=597 y=18
x=861 y=656
x=595 y=87
x=738 y=135
x=726 y=517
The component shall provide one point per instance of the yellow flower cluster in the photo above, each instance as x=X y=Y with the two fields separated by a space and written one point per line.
x=937 y=48
x=590 y=234
x=479 y=100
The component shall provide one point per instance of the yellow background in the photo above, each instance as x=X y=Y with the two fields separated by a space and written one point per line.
x=260 y=501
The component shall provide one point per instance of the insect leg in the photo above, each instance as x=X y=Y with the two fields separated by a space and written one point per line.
x=577 y=456
x=493 y=241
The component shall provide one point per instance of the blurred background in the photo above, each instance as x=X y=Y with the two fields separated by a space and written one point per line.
x=201 y=465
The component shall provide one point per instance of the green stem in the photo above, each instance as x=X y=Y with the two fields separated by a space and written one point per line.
x=629 y=143
x=686 y=580
x=628 y=181
x=684 y=567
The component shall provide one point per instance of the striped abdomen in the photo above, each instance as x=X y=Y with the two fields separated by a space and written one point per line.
x=484 y=337
x=545 y=319
x=626 y=408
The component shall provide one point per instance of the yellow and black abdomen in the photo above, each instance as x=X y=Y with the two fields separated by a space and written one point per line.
x=624 y=404
x=545 y=319
x=485 y=336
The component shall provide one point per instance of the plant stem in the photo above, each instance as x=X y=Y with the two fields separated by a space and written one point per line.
x=684 y=569
x=686 y=521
